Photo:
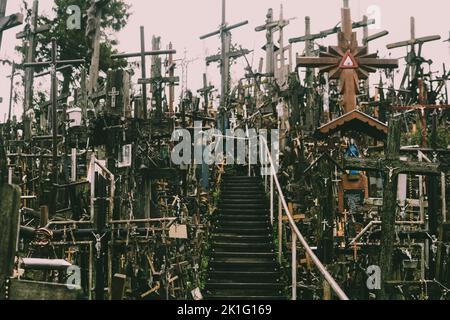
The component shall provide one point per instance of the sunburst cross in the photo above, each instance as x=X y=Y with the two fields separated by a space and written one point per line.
x=347 y=61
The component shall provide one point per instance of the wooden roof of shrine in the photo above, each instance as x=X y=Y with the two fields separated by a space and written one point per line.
x=355 y=121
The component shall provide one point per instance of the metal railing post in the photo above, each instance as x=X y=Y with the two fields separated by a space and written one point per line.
x=294 y=266
x=271 y=199
x=308 y=250
x=280 y=230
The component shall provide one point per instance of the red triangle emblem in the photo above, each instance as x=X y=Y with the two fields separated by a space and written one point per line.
x=348 y=62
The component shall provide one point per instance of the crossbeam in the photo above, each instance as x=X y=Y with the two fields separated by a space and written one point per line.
x=143 y=54
x=326 y=33
x=53 y=64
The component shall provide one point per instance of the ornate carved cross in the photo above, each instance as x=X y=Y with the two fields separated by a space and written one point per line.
x=347 y=62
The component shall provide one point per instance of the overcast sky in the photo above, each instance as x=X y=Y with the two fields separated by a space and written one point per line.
x=183 y=21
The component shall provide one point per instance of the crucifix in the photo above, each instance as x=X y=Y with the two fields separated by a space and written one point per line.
x=347 y=62
x=391 y=167
x=30 y=36
x=143 y=54
x=8 y=22
x=205 y=92
x=53 y=64
x=225 y=36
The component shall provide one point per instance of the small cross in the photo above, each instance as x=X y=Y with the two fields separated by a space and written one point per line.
x=325 y=225
x=113 y=94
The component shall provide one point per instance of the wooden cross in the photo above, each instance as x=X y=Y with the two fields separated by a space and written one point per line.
x=347 y=62
x=11 y=89
x=156 y=80
x=413 y=65
x=205 y=92
x=30 y=35
x=143 y=54
x=93 y=34
x=53 y=64
x=113 y=94
x=8 y=22
x=270 y=27
x=171 y=71
x=270 y=48
x=390 y=167
x=323 y=34
x=281 y=69
x=225 y=56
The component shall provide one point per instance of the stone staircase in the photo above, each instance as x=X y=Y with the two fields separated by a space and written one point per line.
x=243 y=264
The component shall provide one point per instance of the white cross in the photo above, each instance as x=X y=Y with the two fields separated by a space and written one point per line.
x=113 y=94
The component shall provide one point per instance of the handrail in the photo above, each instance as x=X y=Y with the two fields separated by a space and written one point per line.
x=333 y=284
x=297 y=234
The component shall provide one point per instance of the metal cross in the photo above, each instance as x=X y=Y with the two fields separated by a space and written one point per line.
x=113 y=94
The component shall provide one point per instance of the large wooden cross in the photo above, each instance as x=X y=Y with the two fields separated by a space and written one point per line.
x=347 y=62
x=413 y=64
x=30 y=35
x=391 y=167
x=93 y=35
x=8 y=22
x=205 y=92
x=270 y=48
x=224 y=58
x=143 y=54
x=53 y=64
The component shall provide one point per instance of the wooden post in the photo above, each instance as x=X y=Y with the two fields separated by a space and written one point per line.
x=280 y=230
x=390 y=167
x=30 y=55
x=11 y=90
x=100 y=240
x=143 y=73
x=95 y=47
x=326 y=290
x=171 y=85
x=294 y=265
x=9 y=217
x=389 y=208
x=44 y=216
